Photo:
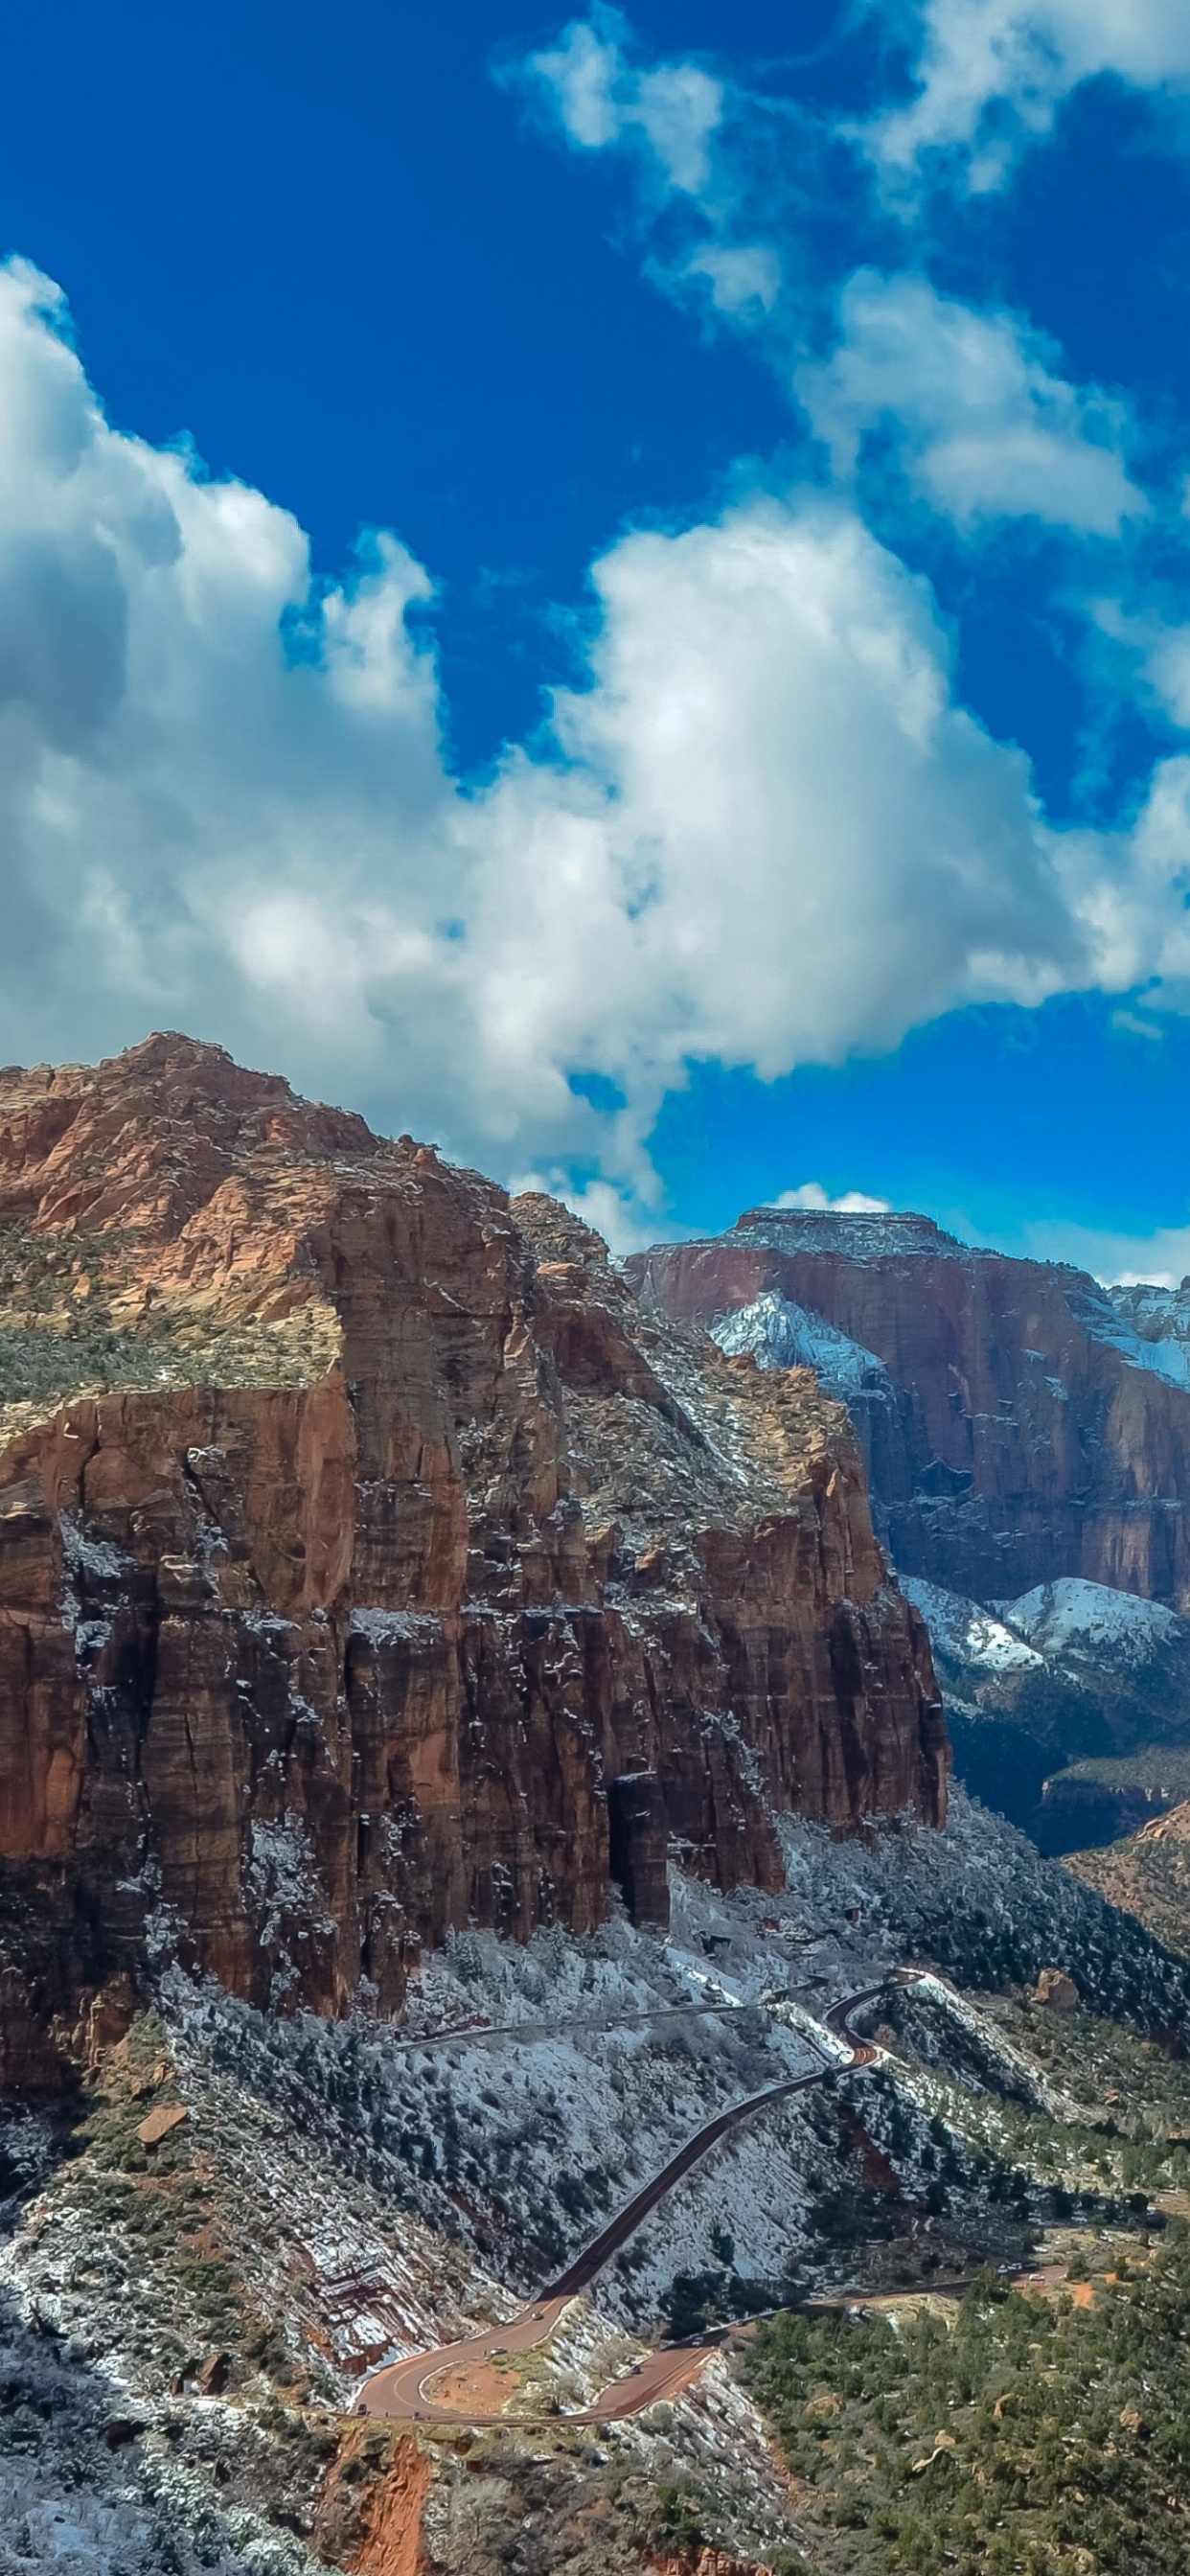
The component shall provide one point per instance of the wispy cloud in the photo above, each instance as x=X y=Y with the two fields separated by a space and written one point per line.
x=591 y=83
x=1113 y=1255
x=811 y=1194
x=970 y=405
x=973 y=410
x=990 y=75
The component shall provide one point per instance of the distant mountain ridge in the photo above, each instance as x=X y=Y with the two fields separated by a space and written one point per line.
x=1020 y=1423
x=1069 y=1709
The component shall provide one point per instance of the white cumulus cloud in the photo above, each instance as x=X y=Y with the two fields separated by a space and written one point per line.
x=811 y=1194
x=764 y=833
x=591 y=87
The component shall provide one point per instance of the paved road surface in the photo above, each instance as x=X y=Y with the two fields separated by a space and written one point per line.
x=405 y=2388
x=478 y=2034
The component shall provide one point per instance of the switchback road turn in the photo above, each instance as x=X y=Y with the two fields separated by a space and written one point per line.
x=404 y=2388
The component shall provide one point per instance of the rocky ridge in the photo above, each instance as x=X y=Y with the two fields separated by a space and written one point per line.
x=372 y=1564
x=1147 y=1874
x=1069 y=1709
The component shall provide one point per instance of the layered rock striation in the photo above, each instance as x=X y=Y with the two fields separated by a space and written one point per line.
x=370 y=1561
x=1019 y=1423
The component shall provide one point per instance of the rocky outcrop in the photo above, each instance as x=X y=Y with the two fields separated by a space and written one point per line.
x=358 y=1529
x=1147 y=1875
x=1018 y=1423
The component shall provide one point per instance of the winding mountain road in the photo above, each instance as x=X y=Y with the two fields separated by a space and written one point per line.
x=405 y=2388
x=527 y=2034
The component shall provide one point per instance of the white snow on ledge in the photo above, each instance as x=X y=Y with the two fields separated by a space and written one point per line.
x=390 y=1627
x=1073 y=1616
x=970 y=1635
x=780 y=1334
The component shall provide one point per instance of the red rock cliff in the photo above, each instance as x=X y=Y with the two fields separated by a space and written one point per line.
x=1009 y=1436
x=358 y=1532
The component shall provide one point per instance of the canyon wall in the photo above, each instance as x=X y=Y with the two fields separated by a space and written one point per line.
x=1016 y=1426
x=365 y=1547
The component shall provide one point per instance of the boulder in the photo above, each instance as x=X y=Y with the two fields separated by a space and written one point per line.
x=1056 y=1991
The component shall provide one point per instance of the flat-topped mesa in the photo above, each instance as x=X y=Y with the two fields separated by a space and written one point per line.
x=862 y=1234
x=1019 y=1422
x=359 y=1530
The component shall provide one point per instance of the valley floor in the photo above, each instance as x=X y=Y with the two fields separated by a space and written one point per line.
x=192 y=2303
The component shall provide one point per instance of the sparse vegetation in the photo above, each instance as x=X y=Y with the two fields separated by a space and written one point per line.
x=75 y=1321
x=1024 y=2433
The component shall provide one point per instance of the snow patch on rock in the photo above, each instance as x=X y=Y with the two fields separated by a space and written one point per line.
x=1150 y=1328
x=1074 y=1617
x=780 y=1334
x=968 y=1634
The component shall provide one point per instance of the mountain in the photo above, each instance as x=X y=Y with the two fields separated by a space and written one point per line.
x=482 y=1917
x=1148 y=1875
x=1068 y=1709
x=1027 y=1438
x=373 y=1565
x=1019 y=1422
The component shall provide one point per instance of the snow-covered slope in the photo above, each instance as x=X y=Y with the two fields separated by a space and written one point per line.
x=1055 y=1621
x=1090 y=1621
x=1069 y=1675
x=782 y=1335
x=1155 y=1323
x=1142 y=1325
x=968 y=1634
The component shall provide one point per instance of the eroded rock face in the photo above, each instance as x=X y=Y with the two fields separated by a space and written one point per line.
x=1015 y=1425
x=358 y=1529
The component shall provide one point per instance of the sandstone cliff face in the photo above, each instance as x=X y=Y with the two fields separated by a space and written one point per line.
x=1013 y=1428
x=359 y=1533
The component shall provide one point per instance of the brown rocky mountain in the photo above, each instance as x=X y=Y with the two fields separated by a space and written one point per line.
x=1019 y=1424
x=371 y=1563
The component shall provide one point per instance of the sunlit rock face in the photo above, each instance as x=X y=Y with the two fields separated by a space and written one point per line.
x=1019 y=1422
x=358 y=1530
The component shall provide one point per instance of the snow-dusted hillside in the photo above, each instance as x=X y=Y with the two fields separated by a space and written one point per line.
x=1090 y=1622
x=183 y=2328
x=600 y=2057
x=1155 y=1328
x=782 y=1335
x=969 y=1635
x=1054 y=1699
x=1068 y=1623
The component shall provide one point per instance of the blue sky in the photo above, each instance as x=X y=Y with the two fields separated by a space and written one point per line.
x=612 y=589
